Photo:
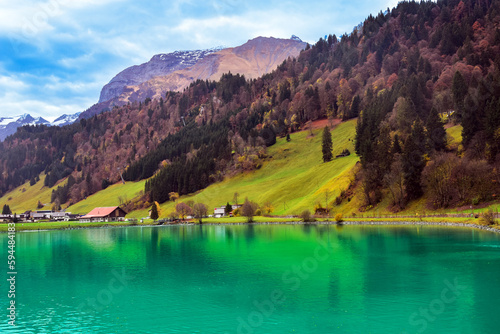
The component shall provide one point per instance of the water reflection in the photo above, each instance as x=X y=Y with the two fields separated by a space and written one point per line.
x=203 y=278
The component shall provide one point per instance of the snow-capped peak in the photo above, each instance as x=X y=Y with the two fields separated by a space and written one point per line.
x=295 y=38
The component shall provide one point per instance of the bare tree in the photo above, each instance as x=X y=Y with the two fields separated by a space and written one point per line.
x=200 y=210
x=394 y=180
x=248 y=209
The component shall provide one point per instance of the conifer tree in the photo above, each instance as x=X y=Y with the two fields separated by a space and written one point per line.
x=6 y=210
x=154 y=212
x=228 y=209
x=436 y=133
x=413 y=161
x=326 y=145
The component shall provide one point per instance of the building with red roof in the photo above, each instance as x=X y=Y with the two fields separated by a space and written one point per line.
x=105 y=214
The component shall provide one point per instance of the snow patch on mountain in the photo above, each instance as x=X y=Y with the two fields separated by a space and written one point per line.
x=9 y=125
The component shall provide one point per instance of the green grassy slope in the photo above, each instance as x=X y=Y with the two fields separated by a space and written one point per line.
x=26 y=197
x=109 y=196
x=293 y=180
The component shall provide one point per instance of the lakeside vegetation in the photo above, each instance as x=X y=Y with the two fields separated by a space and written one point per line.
x=42 y=226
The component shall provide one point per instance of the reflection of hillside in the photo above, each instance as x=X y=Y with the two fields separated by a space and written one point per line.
x=367 y=276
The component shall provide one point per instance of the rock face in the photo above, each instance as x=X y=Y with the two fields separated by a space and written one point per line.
x=175 y=71
x=253 y=59
x=159 y=65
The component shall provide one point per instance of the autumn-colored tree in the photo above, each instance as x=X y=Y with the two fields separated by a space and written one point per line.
x=248 y=209
x=437 y=178
x=394 y=181
x=173 y=196
x=183 y=210
x=200 y=210
x=268 y=208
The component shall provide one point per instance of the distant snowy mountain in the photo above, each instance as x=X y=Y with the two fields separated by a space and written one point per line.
x=9 y=125
x=65 y=119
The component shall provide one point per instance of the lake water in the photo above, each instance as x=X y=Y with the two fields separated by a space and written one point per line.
x=256 y=279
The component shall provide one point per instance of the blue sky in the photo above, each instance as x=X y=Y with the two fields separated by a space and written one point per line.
x=57 y=54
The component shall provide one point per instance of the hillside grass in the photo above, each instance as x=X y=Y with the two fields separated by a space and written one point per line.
x=454 y=136
x=294 y=178
x=26 y=197
x=109 y=196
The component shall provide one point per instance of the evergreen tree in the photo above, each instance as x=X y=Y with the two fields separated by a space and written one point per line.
x=459 y=90
x=436 y=134
x=396 y=146
x=154 y=212
x=471 y=121
x=326 y=145
x=228 y=209
x=413 y=161
x=6 y=210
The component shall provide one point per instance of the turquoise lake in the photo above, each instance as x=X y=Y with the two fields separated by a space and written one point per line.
x=255 y=279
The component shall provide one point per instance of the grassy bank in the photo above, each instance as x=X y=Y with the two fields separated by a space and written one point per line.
x=240 y=220
x=66 y=225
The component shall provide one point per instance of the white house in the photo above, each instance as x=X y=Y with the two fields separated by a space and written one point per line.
x=221 y=211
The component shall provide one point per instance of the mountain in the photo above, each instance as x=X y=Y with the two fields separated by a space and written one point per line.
x=253 y=59
x=65 y=119
x=9 y=125
x=159 y=65
x=176 y=71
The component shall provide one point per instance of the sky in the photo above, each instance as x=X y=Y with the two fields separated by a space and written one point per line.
x=56 y=55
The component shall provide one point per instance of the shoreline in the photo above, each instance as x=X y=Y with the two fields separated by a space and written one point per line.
x=380 y=223
x=369 y=223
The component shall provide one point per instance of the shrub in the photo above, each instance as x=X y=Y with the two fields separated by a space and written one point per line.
x=487 y=218
x=306 y=216
x=338 y=218
x=258 y=212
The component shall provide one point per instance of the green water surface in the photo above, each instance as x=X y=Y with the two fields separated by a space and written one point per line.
x=255 y=279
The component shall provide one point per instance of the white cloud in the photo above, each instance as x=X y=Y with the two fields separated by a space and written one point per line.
x=10 y=83
x=13 y=104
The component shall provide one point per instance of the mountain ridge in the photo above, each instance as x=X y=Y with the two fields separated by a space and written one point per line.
x=252 y=59
x=9 y=125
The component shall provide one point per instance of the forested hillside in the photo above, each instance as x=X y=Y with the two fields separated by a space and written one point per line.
x=406 y=73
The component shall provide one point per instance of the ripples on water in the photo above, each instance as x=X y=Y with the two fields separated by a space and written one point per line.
x=256 y=279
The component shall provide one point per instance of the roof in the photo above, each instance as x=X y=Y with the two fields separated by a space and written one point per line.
x=101 y=212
